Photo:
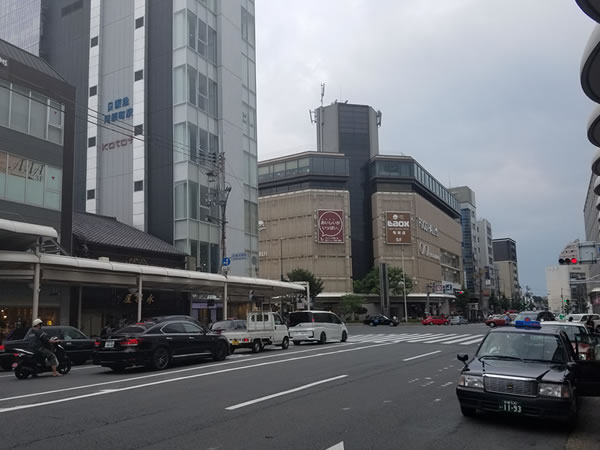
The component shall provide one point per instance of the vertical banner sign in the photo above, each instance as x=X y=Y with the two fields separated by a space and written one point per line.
x=330 y=226
x=397 y=228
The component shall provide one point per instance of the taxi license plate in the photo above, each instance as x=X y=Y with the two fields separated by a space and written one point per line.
x=235 y=342
x=510 y=406
x=109 y=344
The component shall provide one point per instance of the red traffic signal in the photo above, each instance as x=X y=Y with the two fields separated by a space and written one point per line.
x=567 y=261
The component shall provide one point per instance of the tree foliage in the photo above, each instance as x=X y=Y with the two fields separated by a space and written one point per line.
x=350 y=304
x=315 y=283
x=370 y=283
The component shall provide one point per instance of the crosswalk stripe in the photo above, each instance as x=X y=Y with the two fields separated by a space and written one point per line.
x=426 y=338
x=455 y=341
x=473 y=341
x=440 y=339
x=456 y=338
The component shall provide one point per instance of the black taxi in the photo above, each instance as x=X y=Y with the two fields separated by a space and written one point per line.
x=527 y=370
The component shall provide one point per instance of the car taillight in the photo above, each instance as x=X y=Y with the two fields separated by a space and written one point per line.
x=1 y=348
x=130 y=343
x=97 y=344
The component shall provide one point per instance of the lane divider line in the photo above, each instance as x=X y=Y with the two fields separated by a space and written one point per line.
x=421 y=356
x=279 y=394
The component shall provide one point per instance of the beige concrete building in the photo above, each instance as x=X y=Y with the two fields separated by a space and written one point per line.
x=507 y=278
x=289 y=237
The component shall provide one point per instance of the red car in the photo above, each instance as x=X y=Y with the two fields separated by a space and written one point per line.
x=496 y=321
x=435 y=320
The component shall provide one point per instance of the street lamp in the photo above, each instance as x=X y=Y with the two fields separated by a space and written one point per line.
x=404 y=289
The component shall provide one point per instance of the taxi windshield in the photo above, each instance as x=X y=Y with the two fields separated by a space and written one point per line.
x=524 y=346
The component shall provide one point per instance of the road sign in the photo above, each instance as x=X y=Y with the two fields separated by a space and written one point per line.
x=226 y=261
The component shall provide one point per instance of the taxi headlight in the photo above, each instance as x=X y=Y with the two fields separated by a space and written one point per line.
x=554 y=390
x=471 y=381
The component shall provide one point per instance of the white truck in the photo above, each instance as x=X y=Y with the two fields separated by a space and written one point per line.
x=261 y=329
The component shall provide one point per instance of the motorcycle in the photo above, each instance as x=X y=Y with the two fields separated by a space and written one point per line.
x=31 y=363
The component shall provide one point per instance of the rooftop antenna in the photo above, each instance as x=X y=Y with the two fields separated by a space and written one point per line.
x=322 y=93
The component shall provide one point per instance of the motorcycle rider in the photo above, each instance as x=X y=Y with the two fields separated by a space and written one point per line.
x=41 y=344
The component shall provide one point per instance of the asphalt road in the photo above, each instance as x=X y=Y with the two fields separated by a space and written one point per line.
x=387 y=388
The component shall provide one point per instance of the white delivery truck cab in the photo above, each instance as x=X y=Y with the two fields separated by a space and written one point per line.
x=262 y=328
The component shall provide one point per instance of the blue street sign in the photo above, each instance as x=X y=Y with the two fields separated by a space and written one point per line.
x=226 y=261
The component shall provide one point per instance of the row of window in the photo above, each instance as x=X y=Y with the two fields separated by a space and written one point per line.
x=208 y=256
x=192 y=31
x=193 y=201
x=30 y=182
x=202 y=147
x=195 y=88
x=138 y=186
x=31 y=113
x=296 y=167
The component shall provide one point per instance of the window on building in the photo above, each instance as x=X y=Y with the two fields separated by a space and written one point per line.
x=179 y=29
x=212 y=98
x=192 y=21
x=181 y=201
x=91 y=194
x=139 y=22
x=212 y=45
x=247 y=26
x=4 y=102
x=19 y=111
x=215 y=258
x=94 y=41
x=34 y=185
x=179 y=139
x=179 y=84
x=204 y=258
x=138 y=75
x=250 y=217
x=192 y=75
x=213 y=146
x=53 y=191
x=92 y=141
x=38 y=115
x=202 y=38
x=203 y=143
x=138 y=186
x=3 y=165
x=193 y=141
x=93 y=91
x=193 y=197
x=202 y=92
x=55 y=122
x=138 y=129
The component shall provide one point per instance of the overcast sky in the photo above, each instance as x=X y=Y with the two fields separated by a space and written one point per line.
x=483 y=93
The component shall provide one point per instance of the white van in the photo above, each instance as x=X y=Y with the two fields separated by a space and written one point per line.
x=316 y=326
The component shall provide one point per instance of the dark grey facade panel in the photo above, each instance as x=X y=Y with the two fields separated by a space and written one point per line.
x=65 y=45
x=159 y=120
x=20 y=212
x=30 y=147
x=504 y=250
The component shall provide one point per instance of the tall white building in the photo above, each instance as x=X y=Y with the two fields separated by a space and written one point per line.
x=170 y=90
x=487 y=276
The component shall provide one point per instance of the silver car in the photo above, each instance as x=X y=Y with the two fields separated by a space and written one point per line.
x=458 y=320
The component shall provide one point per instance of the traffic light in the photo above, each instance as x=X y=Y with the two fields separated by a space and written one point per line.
x=567 y=261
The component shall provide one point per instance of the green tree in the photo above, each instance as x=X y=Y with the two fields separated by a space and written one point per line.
x=350 y=304
x=504 y=303
x=462 y=301
x=494 y=303
x=370 y=283
x=314 y=282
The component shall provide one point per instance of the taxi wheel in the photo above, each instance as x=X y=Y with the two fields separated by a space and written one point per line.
x=468 y=412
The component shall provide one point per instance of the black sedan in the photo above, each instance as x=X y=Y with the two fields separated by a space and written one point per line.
x=381 y=320
x=78 y=346
x=527 y=371
x=156 y=345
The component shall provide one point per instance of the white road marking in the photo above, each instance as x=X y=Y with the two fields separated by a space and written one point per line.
x=454 y=341
x=437 y=400
x=338 y=446
x=279 y=394
x=438 y=339
x=426 y=338
x=161 y=374
x=447 y=384
x=421 y=356
x=474 y=341
x=188 y=377
x=74 y=368
x=412 y=381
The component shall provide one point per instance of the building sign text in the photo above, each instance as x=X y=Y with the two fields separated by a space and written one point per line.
x=426 y=226
x=120 y=103
x=330 y=226
x=397 y=228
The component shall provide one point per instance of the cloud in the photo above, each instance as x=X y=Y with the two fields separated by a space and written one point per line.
x=482 y=93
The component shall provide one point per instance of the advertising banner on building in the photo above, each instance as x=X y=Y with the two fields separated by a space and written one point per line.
x=397 y=228
x=330 y=226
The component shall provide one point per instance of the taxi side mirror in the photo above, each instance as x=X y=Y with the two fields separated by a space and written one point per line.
x=462 y=357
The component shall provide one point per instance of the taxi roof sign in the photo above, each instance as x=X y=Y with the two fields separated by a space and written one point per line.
x=528 y=323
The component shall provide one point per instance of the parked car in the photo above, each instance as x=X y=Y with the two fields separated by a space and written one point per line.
x=458 y=320
x=381 y=320
x=583 y=318
x=435 y=320
x=316 y=326
x=259 y=330
x=78 y=346
x=158 y=319
x=157 y=345
x=535 y=315
x=499 y=320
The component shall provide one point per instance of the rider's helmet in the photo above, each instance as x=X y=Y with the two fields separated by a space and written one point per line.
x=37 y=322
